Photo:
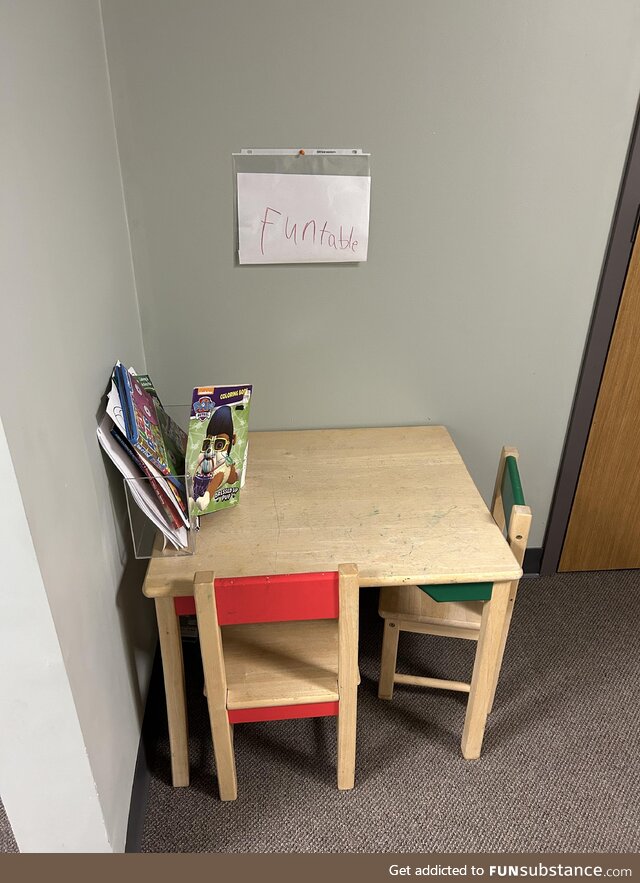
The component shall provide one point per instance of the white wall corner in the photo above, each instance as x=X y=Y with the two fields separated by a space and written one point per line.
x=125 y=207
x=46 y=782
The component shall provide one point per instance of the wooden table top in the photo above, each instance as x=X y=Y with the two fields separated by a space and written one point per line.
x=397 y=502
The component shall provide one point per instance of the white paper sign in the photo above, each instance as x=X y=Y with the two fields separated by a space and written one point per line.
x=287 y=219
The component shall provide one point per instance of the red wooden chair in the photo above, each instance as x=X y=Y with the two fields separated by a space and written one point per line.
x=275 y=648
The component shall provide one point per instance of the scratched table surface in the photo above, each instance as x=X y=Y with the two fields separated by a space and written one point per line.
x=397 y=502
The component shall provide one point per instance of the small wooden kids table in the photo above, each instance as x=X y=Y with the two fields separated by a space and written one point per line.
x=397 y=502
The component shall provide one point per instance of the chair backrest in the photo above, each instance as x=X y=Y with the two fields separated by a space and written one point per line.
x=508 y=507
x=280 y=598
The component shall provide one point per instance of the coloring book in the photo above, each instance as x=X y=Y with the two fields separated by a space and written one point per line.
x=217 y=446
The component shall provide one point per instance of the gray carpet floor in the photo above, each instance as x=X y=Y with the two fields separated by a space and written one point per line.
x=559 y=771
x=7 y=840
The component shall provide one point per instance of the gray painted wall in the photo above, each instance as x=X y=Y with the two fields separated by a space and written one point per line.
x=498 y=132
x=68 y=310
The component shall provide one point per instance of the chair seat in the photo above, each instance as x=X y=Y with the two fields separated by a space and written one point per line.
x=411 y=604
x=281 y=663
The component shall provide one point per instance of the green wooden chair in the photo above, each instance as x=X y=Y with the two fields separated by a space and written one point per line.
x=458 y=611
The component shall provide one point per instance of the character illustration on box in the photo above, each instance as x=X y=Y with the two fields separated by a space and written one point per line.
x=215 y=467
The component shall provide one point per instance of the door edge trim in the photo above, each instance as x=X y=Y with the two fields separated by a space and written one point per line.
x=608 y=296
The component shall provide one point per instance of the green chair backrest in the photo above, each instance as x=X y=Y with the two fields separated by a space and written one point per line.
x=511 y=489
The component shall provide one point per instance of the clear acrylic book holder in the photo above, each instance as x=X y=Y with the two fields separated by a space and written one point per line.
x=157 y=527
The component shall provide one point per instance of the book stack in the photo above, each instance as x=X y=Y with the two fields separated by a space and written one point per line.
x=148 y=448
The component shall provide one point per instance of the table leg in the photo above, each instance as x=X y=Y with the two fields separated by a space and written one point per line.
x=173 y=671
x=503 y=640
x=484 y=669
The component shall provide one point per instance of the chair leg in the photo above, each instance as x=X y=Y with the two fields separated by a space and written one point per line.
x=216 y=689
x=388 y=659
x=222 y=732
x=484 y=670
x=347 y=738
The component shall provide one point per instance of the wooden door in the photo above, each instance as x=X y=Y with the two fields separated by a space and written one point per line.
x=604 y=526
